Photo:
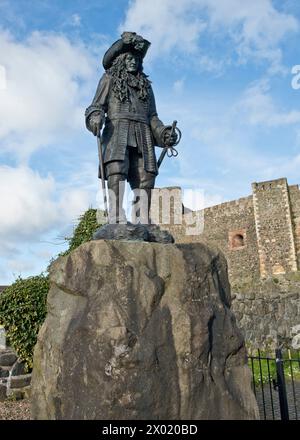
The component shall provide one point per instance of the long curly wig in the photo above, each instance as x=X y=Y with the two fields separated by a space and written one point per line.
x=122 y=80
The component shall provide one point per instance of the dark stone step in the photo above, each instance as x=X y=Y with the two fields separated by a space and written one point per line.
x=18 y=369
x=19 y=393
x=7 y=359
x=20 y=381
x=4 y=371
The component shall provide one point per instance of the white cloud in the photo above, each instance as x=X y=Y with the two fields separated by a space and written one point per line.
x=17 y=266
x=258 y=107
x=260 y=23
x=254 y=28
x=222 y=151
x=26 y=199
x=37 y=214
x=75 y=20
x=32 y=205
x=46 y=80
x=284 y=166
x=72 y=203
x=178 y=85
x=167 y=24
x=2 y=78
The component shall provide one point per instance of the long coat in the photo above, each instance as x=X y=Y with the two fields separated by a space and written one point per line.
x=133 y=122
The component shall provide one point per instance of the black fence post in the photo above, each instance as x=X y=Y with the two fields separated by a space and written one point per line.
x=284 y=409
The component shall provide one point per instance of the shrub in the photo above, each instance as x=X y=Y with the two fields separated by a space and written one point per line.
x=22 y=312
x=84 y=230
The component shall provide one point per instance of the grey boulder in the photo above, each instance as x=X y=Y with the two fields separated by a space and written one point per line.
x=139 y=330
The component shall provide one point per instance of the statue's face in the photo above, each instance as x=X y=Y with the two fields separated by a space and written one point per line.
x=132 y=63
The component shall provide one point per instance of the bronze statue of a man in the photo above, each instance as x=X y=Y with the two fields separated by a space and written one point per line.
x=125 y=104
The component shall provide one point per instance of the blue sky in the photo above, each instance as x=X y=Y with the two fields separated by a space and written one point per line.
x=222 y=68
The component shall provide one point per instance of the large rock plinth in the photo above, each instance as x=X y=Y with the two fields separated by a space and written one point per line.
x=139 y=330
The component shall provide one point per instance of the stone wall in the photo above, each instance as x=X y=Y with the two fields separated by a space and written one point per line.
x=221 y=226
x=294 y=193
x=268 y=310
x=267 y=321
x=274 y=229
x=14 y=381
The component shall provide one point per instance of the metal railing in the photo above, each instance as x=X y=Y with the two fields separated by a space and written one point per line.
x=276 y=384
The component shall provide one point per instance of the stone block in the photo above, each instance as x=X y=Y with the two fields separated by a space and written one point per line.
x=18 y=369
x=4 y=371
x=7 y=359
x=27 y=392
x=20 y=381
x=16 y=393
x=296 y=329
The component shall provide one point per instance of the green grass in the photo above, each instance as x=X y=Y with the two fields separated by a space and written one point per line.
x=264 y=369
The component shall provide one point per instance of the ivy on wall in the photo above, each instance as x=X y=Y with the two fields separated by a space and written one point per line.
x=22 y=312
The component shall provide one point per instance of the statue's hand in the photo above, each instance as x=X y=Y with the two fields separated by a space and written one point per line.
x=96 y=121
x=170 y=139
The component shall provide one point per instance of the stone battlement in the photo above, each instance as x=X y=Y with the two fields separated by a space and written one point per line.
x=231 y=205
x=259 y=234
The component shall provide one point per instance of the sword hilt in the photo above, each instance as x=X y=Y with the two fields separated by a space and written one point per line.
x=173 y=151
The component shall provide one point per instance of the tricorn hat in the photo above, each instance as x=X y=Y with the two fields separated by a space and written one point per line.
x=129 y=42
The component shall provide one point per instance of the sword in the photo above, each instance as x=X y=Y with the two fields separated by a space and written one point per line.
x=100 y=154
x=164 y=152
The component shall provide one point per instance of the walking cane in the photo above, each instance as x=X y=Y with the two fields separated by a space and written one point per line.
x=100 y=154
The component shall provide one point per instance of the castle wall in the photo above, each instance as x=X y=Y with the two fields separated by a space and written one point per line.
x=294 y=192
x=267 y=321
x=274 y=229
x=259 y=234
x=221 y=225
